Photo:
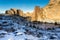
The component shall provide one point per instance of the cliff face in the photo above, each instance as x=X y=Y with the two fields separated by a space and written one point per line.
x=50 y=13
x=37 y=15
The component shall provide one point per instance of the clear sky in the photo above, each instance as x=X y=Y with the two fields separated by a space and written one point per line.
x=25 y=5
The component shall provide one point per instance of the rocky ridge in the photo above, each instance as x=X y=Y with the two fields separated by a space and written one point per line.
x=50 y=13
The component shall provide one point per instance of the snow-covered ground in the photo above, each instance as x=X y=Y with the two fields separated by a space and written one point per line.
x=10 y=30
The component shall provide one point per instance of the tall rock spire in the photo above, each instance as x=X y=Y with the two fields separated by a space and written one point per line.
x=37 y=15
x=36 y=10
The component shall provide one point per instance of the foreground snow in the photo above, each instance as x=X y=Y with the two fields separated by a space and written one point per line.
x=10 y=30
x=27 y=33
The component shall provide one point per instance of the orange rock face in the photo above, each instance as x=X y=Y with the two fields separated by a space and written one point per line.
x=19 y=12
x=50 y=13
x=14 y=11
x=37 y=15
x=9 y=12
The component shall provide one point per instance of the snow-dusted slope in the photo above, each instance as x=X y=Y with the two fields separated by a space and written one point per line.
x=13 y=28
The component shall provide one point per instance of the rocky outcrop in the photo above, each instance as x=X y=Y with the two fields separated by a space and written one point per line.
x=9 y=12
x=50 y=13
x=37 y=15
x=19 y=12
x=14 y=12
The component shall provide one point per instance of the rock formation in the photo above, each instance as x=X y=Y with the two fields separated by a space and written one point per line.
x=9 y=12
x=50 y=13
x=14 y=12
x=19 y=12
x=37 y=15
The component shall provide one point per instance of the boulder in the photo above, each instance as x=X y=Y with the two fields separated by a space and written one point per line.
x=19 y=12
x=10 y=12
x=14 y=10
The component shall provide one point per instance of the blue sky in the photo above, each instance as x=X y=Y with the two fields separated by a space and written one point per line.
x=25 y=5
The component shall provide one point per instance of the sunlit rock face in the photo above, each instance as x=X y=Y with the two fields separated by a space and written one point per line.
x=37 y=15
x=9 y=12
x=14 y=12
x=20 y=12
x=52 y=11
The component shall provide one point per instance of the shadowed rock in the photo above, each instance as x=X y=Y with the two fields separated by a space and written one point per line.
x=14 y=10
